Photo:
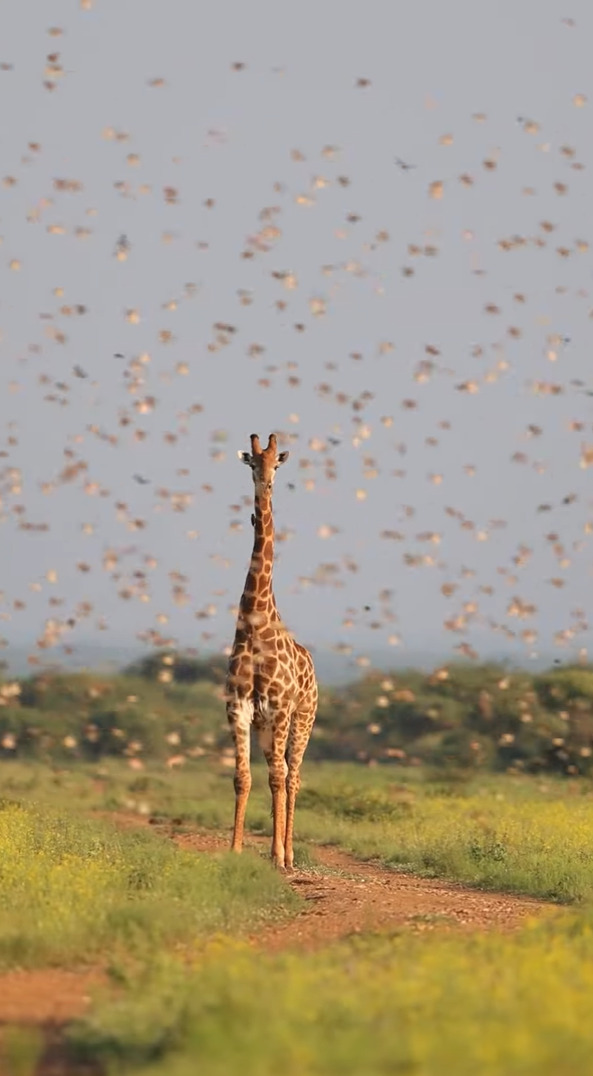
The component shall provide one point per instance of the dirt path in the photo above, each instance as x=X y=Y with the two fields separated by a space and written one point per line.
x=342 y=897
x=46 y=997
x=348 y=897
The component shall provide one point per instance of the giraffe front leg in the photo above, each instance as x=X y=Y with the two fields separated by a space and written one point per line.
x=300 y=732
x=293 y=783
x=240 y=714
x=272 y=734
x=277 y=779
x=274 y=746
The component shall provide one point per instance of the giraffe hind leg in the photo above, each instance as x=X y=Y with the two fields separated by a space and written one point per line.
x=240 y=716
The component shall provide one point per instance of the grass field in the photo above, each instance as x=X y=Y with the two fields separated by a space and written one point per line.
x=445 y=1005
x=70 y=888
x=521 y=834
x=191 y=995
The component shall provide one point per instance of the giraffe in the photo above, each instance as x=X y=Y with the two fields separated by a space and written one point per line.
x=271 y=680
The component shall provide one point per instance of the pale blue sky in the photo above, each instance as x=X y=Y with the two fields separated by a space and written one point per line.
x=214 y=133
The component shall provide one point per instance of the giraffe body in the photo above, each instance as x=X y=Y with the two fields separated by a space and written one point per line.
x=271 y=681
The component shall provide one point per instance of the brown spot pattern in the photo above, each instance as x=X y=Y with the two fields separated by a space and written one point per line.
x=271 y=679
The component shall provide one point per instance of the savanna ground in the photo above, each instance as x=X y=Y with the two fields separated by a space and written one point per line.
x=431 y=926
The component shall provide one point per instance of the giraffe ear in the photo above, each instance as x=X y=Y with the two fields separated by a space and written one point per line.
x=244 y=457
x=282 y=458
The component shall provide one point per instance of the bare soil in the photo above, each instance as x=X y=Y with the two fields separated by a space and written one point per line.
x=47 y=999
x=342 y=895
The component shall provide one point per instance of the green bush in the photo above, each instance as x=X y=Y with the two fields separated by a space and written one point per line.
x=185 y=668
x=85 y=716
x=168 y=704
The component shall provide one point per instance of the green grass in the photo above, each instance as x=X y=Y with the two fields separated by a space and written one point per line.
x=498 y=1006
x=74 y=890
x=191 y=996
x=542 y=846
x=21 y=1049
x=520 y=834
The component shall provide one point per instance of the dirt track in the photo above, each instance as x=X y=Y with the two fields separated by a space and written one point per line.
x=342 y=897
x=347 y=897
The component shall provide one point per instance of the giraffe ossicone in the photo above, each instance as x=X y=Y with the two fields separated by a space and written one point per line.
x=271 y=681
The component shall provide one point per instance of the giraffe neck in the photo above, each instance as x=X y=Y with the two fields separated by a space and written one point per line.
x=258 y=596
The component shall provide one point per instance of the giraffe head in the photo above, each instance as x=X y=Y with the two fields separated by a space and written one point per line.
x=264 y=462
